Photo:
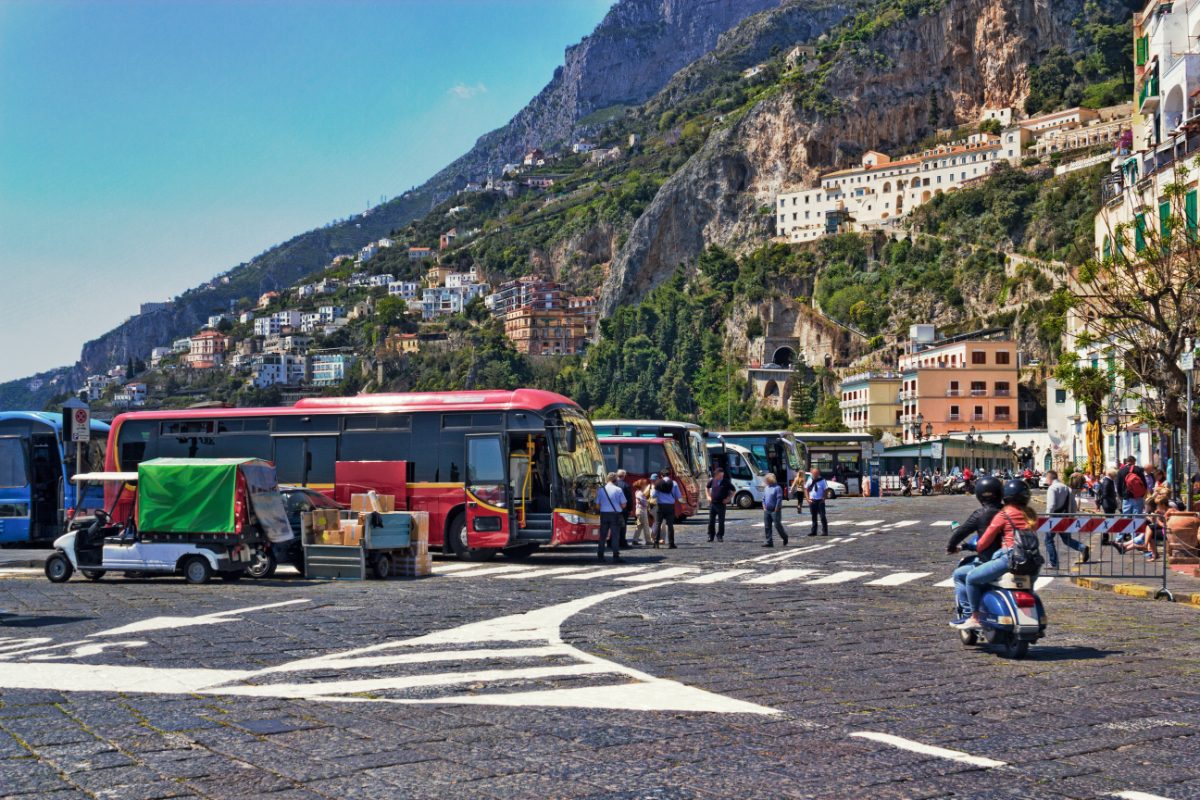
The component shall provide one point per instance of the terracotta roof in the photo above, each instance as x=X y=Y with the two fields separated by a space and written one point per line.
x=992 y=144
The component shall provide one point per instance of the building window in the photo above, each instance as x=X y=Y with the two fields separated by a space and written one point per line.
x=1002 y=389
x=1002 y=357
x=1002 y=414
x=979 y=357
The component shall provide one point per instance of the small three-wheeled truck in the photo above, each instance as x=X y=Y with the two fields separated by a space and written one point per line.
x=195 y=517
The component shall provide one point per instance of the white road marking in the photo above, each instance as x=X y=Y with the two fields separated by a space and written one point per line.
x=477 y=573
x=625 y=689
x=929 y=750
x=166 y=623
x=869 y=522
x=1042 y=583
x=940 y=524
x=662 y=574
x=897 y=578
x=454 y=566
x=905 y=523
x=780 y=576
x=1138 y=796
x=839 y=577
x=543 y=572
x=603 y=572
x=20 y=570
x=946 y=584
x=718 y=577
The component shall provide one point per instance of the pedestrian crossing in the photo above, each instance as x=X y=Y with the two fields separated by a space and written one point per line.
x=750 y=575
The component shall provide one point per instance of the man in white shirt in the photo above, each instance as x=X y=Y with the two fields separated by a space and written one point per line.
x=816 y=489
x=1060 y=500
x=611 y=501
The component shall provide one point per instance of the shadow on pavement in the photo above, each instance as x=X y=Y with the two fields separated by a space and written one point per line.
x=1038 y=653
x=22 y=621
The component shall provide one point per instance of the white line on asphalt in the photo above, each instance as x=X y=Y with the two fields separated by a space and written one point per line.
x=603 y=572
x=718 y=577
x=1042 y=583
x=840 y=577
x=941 y=524
x=452 y=566
x=897 y=578
x=475 y=573
x=929 y=750
x=1138 y=796
x=544 y=572
x=166 y=623
x=904 y=523
x=781 y=576
x=662 y=574
x=946 y=584
x=866 y=523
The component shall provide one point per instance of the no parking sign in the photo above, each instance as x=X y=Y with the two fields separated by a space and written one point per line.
x=77 y=418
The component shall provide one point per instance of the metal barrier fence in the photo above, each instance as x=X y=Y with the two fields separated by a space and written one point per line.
x=1132 y=546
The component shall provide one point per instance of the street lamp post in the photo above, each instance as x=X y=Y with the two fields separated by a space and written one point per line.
x=971 y=439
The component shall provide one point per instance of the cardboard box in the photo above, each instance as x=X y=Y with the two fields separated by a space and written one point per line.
x=362 y=502
x=420 y=526
x=353 y=537
x=331 y=537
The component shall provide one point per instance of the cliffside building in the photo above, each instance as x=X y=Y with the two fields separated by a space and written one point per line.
x=871 y=400
x=952 y=385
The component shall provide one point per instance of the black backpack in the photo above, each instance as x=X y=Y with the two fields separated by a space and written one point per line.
x=664 y=485
x=1024 y=557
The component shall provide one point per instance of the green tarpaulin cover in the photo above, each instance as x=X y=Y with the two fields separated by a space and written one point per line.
x=188 y=495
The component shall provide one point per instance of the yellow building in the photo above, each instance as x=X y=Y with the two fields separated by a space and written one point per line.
x=871 y=400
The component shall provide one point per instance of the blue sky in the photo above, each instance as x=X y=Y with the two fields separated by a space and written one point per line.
x=146 y=146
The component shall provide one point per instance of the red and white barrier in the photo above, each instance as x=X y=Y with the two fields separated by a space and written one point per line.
x=1092 y=523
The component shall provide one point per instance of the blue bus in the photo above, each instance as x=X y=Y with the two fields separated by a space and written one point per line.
x=36 y=493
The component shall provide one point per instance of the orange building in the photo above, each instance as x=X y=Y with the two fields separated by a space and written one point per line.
x=960 y=383
x=544 y=332
x=207 y=350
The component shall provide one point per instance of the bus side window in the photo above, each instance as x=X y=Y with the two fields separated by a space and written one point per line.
x=426 y=442
x=610 y=456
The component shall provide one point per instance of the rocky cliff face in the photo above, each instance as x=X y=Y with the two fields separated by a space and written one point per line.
x=972 y=53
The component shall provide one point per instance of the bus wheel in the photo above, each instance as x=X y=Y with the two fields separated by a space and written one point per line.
x=196 y=570
x=744 y=500
x=458 y=542
x=58 y=568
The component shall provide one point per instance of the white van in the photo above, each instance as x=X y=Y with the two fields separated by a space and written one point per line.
x=744 y=471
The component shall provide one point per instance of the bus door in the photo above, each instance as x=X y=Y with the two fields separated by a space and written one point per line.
x=306 y=460
x=489 y=500
x=45 y=486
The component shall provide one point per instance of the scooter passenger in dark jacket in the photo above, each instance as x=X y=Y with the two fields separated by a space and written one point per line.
x=988 y=492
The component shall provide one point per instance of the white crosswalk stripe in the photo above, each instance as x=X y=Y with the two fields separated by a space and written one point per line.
x=477 y=573
x=781 y=576
x=905 y=523
x=839 y=577
x=946 y=584
x=603 y=572
x=661 y=574
x=866 y=523
x=718 y=577
x=940 y=524
x=454 y=566
x=543 y=572
x=897 y=578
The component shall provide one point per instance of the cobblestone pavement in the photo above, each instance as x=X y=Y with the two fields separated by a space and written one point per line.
x=711 y=671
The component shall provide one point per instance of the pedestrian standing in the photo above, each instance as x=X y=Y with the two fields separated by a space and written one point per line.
x=816 y=489
x=626 y=490
x=719 y=490
x=1131 y=486
x=666 y=492
x=797 y=488
x=611 y=501
x=1107 y=497
x=641 y=505
x=773 y=511
x=1061 y=500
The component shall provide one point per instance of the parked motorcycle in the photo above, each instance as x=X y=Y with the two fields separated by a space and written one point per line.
x=1012 y=614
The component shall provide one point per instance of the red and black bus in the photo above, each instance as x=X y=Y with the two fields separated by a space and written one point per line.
x=642 y=457
x=498 y=471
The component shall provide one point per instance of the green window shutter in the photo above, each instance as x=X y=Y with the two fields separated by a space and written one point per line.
x=1139 y=233
x=1164 y=223
x=1143 y=51
x=1189 y=211
x=1107 y=248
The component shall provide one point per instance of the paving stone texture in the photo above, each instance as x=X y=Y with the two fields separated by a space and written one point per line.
x=648 y=684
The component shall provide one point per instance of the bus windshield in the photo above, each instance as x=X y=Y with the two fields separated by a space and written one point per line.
x=581 y=470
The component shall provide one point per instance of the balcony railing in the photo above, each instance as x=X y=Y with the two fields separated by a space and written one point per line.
x=978 y=417
x=1003 y=393
x=1003 y=417
x=954 y=393
x=954 y=418
x=979 y=393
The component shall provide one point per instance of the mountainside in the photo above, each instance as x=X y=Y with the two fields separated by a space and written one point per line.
x=868 y=92
x=632 y=54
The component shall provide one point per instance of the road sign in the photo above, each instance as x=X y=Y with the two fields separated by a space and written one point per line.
x=81 y=430
x=935 y=450
x=1187 y=361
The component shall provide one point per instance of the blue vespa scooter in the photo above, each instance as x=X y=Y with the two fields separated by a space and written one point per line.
x=1012 y=614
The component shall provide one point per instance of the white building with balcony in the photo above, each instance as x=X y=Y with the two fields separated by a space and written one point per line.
x=329 y=369
x=277 y=369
